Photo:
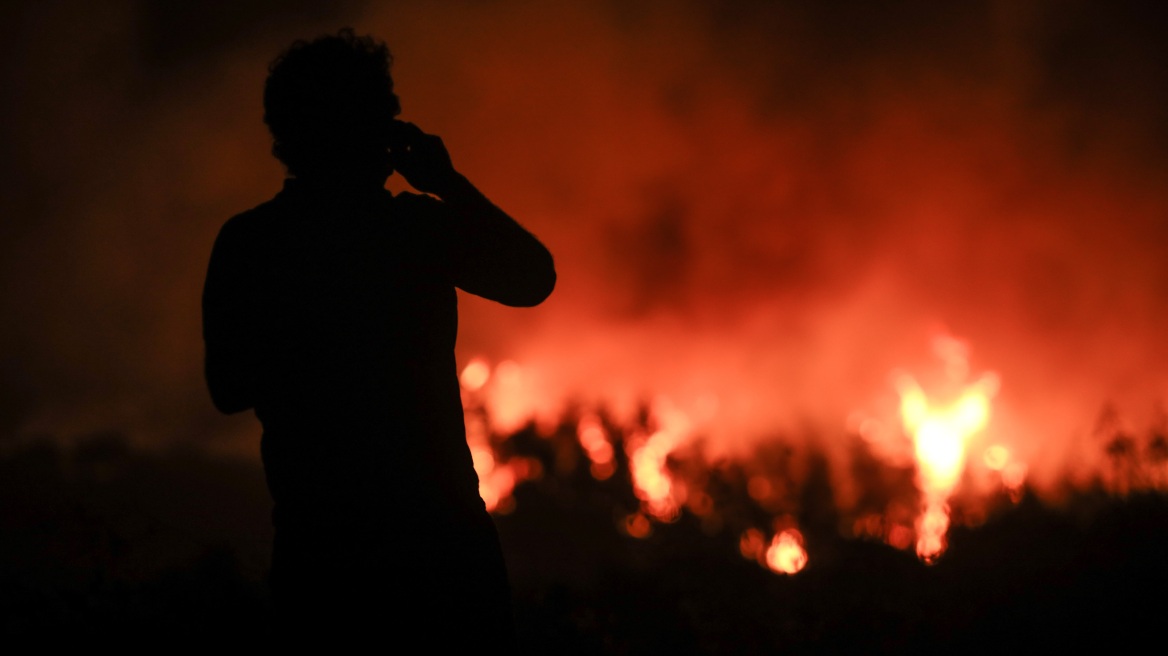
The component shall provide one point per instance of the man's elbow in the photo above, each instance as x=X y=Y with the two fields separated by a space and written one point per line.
x=538 y=288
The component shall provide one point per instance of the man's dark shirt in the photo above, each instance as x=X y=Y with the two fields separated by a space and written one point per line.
x=332 y=312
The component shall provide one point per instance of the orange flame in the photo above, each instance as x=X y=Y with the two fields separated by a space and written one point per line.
x=939 y=426
x=653 y=483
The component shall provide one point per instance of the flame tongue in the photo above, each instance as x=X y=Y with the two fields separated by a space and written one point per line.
x=660 y=495
x=786 y=554
x=940 y=435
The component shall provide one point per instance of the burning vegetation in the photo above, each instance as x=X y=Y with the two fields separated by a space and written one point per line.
x=937 y=461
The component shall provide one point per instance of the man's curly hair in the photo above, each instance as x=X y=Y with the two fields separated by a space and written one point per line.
x=328 y=99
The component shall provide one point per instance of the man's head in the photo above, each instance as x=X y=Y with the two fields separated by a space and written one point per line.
x=329 y=104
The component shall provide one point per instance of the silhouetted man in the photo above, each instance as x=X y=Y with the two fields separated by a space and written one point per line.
x=331 y=311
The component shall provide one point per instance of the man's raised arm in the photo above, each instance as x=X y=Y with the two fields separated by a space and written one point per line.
x=494 y=257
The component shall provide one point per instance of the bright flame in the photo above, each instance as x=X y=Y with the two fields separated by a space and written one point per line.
x=940 y=434
x=786 y=554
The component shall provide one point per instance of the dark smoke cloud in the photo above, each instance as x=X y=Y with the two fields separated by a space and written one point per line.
x=767 y=204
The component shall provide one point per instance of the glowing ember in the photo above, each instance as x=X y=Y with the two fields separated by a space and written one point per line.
x=638 y=526
x=786 y=554
x=594 y=441
x=752 y=545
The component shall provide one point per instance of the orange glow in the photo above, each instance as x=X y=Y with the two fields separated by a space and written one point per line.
x=759 y=488
x=752 y=545
x=900 y=537
x=497 y=477
x=699 y=503
x=594 y=441
x=483 y=459
x=869 y=526
x=602 y=471
x=475 y=374
x=511 y=400
x=996 y=457
x=786 y=554
x=1013 y=478
x=637 y=525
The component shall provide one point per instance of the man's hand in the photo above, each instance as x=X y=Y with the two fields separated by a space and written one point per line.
x=422 y=160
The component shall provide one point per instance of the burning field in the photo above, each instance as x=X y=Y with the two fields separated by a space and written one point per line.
x=858 y=343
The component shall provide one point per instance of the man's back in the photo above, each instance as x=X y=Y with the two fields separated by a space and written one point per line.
x=346 y=312
x=331 y=310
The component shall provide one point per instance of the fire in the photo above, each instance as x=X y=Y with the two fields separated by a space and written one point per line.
x=996 y=457
x=667 y=477
x=1013 y=477
x=940 y=433
x=653 y=483
x=752 y=545
x=594 y=441
x=637 y=525
x=786 y=554
x=497 y=478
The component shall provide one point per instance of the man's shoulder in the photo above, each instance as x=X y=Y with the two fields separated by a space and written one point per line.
x=265 y=212
x=254 y=221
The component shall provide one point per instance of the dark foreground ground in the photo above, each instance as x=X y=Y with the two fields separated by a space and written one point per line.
x=104 y=543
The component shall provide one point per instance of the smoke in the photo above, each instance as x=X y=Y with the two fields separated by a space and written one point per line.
x=759 y=210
